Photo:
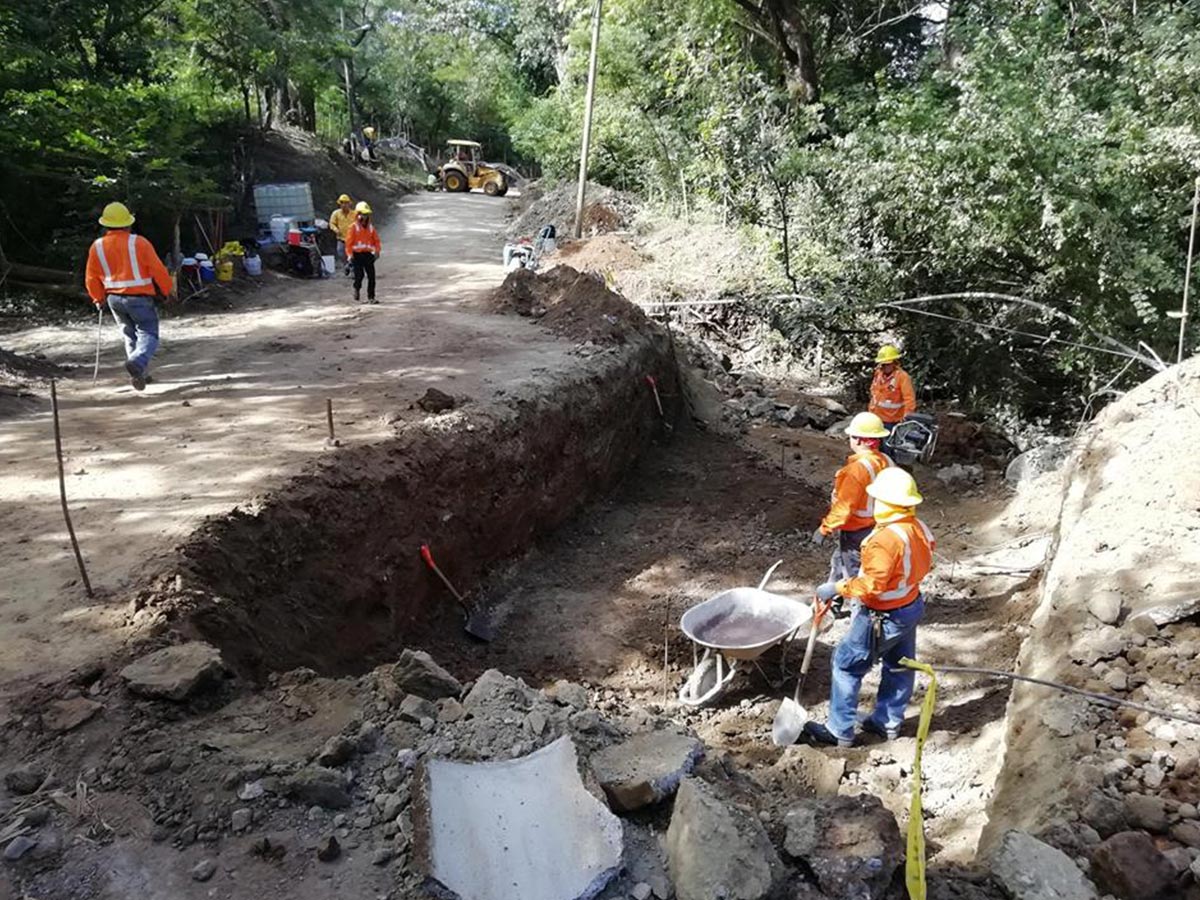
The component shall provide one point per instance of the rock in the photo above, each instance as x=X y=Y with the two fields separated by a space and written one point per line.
x=496 y=690
x=64 y=715
x=960 y=473
x=241 y=819
x=393 y=805
x=641 y=891
x=716 y=850
x=329 y=849
x=1105 y=642
x=851 y=844
x=435 y=401
x=1167 y=613
x=156 y=762
x=251 y=790
x=414 y=709
x=1105 y=605
x=567 y=693
x=450 y=710
x=1153 y=775
x=1104 y=813
x=536 y=721
x=204 y=870
x=383 y=856
x=337 y=751
x=24 y=779
x=1130 y=866
x=1180 y=859
x=1064 y=716
x=417 y=673
x=1195 y=868
x=646 y=768
x=1187 y=833
x=1037 y=461
x=807 y=770
x=174 y=673
x=1116 y=680
x=1028 y=869
x=1145 y=811
x=314 y=785
x=18 y=847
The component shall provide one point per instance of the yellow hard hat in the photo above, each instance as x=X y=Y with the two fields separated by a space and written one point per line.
x=895 y=487
x=116 y=215
x=866 y=425
x=887 y=353
x=345 y=198
x=363 y=208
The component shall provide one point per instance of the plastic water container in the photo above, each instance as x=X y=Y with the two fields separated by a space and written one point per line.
x=208 y=274
x=329 y=264
x=252 y=264
x=225 y=270
x=279 y=228
x=293 y=237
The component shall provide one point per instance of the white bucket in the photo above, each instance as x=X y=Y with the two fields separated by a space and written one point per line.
x=279 y=228
x=252 y=265
x=329 y=264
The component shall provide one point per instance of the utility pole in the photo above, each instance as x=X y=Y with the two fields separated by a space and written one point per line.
x=587 y=119
x=1187 y=278
x=346 y=75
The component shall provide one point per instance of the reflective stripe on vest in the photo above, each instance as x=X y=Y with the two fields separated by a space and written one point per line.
x=357 y=247
x=865 y=462
x=900 y=591
x=888 y=404
x=113 y=284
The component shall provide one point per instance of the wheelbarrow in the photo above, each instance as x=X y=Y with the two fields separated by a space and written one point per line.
x=734 y=627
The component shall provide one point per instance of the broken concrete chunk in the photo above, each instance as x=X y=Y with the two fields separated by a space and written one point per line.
x=450 y=710
x=336 y=752
x=435 y=401
x=717 y=850
x=1168 y=613
x=1129 y=865
x=1037 y=461
x=1105 y=605
x=317 y=786
x=416 y=709
x=494 y=688
x=64 y=715
x=174 y=673
x=520 y=828
x=852 y=844
x=417 y=673
x=1028 y=869
x=646 y=768
x=204 y=870
x=567 y=693
x=1104 y=642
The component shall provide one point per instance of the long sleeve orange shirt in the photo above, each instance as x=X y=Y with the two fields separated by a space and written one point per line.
x=850 y=509
x=122 y=262
x=892 y=396
x=362 y=239
x=895 y=558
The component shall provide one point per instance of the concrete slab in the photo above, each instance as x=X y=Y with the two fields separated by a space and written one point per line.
x=523 y=828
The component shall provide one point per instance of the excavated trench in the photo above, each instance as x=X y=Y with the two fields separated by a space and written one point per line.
x=325 y=572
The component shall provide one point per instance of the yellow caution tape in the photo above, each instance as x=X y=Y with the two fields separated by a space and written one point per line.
x=914 y=866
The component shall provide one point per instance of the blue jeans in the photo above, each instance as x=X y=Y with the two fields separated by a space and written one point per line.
x=855 y=656
x=138 y=318
x=847 y=555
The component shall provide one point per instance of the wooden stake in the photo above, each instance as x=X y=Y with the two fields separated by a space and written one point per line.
x=329 y=416
x=62 y=491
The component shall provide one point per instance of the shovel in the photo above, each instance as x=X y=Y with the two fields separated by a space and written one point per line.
x=479 y=623
x=790 y=719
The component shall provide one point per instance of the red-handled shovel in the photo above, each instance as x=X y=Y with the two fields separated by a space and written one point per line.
x=478 y=623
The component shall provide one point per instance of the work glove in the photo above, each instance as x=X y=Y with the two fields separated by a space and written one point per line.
x=818 y=538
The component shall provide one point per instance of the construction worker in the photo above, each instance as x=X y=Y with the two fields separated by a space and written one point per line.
x=340 y=221
x=124 y=271
x=850 y=508
x=362 y=249
x=892 y=395
x=887 y=604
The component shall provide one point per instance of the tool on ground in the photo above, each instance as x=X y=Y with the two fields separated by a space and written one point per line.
x=62 y=491
x=734 y=626
x=791 y=716
x=478 y=622
x=99 y=334
x=650 y=380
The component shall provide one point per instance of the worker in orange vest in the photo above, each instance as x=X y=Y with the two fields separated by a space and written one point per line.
x=362 y=249
x=892 y=395
x=887 y=605
x=850 y=515
x=124 y=271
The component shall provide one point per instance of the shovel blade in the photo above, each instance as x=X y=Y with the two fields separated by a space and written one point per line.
x=789 y=722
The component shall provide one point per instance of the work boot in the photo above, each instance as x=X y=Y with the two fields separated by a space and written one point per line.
x=870 y=726
x=356 y=294
x=136 y=377
x=371 y=299
x=818 y=734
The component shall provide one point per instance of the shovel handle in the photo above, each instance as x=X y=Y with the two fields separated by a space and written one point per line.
x=427 y=555
x=819 y=610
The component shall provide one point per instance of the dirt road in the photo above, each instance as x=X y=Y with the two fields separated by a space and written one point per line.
x=238 y=402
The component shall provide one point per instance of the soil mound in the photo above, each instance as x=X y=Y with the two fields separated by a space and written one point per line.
x=606 y=210
x=606 y=253
x=574 y=304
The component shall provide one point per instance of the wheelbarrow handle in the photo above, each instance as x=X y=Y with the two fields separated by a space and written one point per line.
x=771 y=571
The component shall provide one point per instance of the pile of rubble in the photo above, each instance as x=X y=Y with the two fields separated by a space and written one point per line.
x=605 y=210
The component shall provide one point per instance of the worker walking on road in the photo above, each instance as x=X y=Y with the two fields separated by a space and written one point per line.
x=362 y=249
x=124 y=271
x=887 y=605
x=851 y=510
x=340 y=221
x=892 y=395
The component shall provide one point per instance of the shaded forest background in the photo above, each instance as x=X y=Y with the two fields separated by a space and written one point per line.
x=1040 y=150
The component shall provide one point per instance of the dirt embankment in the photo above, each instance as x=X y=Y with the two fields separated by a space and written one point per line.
x=1117 y=615
x=325 y=571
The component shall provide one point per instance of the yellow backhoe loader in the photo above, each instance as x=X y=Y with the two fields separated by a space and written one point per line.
x=464 y=170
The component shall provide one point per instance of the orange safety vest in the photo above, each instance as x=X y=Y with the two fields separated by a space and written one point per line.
x=895 y=558
x=850 y=509
x=892 y=396
x=122 y=262
x=362 y=240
